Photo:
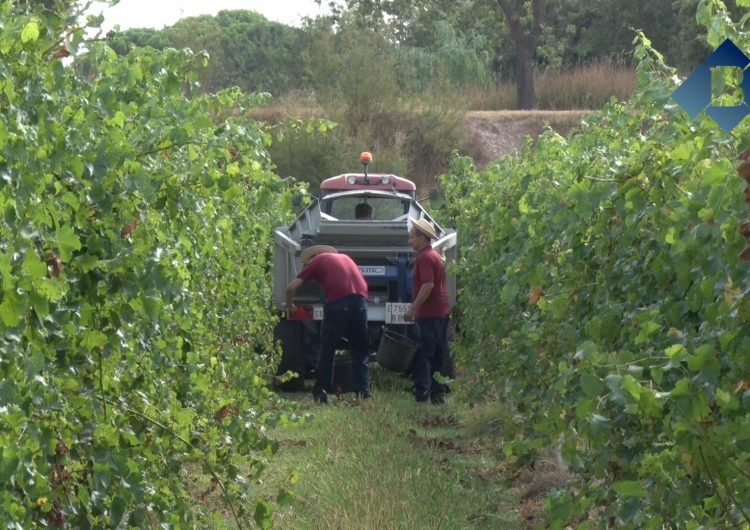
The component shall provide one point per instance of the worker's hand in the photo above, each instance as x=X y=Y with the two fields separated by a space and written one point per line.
x=409 y=315
x=291 y=309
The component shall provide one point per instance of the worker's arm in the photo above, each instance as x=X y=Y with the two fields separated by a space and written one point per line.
x=422 y=296
x=291 y=290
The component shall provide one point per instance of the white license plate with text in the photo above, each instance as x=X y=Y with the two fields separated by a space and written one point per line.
x=394 y=313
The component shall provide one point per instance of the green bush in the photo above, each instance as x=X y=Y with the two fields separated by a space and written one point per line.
x=415 y=143
x=409 y=135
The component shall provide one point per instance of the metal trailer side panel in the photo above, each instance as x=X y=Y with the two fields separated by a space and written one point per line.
x=285 y=265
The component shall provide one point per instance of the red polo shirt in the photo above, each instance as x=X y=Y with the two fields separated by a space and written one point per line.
x=429 y=268
x=337 y=274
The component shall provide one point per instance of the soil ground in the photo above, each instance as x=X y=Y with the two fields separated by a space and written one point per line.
x=495 y=134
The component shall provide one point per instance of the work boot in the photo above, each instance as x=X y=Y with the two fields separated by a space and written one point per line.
x=422 y=396
x=320 y=396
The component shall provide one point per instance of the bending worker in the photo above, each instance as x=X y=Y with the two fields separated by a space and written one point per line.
x=429 y=309
x=344 y=315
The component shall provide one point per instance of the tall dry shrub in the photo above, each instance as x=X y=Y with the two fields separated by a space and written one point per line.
x=583 y=87
x=587 y=86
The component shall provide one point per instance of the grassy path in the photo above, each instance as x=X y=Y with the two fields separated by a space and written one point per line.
x=389 y=463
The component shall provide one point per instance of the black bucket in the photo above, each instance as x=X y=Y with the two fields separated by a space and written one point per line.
x=396 y=351
x=342 y=372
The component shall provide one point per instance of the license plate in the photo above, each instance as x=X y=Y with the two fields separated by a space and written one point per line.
x=317 y=311
x=394 y=313
x=369 y=270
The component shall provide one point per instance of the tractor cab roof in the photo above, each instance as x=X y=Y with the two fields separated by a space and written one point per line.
x=363 y=181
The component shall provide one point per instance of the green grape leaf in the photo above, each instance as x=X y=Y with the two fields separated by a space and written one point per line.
x=117 y=510
x=94 y=340
x=12 y=309
x=263 y=515
x=629 y=488
x=67 y=241
x=30 y=32
x=8 y=464
x=33 y=266
x=591 y=385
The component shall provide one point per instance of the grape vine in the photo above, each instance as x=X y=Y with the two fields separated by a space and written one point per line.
x=609 y=305
x=134 y=305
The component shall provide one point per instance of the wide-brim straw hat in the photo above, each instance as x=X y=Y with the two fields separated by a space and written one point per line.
x=424 y=226
x=310 y=252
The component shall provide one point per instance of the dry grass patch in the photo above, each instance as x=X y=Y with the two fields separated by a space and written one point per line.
x=488 y=422
x=583 y=87
x=496 y=133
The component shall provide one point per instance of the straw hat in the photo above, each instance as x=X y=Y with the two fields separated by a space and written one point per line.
x=424 y=226
x=310 y=252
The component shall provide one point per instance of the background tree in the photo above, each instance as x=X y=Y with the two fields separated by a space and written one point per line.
x=526 y=31
x=454 y=45
x=245 y=49
x=434 y=40
x=415 y=21
x=123 y=42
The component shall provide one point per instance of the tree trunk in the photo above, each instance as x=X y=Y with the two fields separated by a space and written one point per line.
x=525 y=75
x=525 y=40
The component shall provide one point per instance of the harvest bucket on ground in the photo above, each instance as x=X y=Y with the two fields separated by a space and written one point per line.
x=342 y=372
x=396 y=351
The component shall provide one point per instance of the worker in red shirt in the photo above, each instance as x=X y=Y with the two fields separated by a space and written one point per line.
x=429 y=309
x=344 y=315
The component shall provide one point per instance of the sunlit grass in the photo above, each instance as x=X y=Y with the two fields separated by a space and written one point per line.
x=384 y=463
x=387 y=463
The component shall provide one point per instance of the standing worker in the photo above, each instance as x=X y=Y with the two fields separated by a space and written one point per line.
x=344 y=315
x=429 y=310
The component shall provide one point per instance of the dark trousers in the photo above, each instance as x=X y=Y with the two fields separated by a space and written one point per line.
x=346 y=317
x=430 y=357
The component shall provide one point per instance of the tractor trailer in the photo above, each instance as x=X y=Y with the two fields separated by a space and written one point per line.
x=375 y=236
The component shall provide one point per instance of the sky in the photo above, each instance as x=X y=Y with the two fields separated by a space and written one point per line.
x=160 y=13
